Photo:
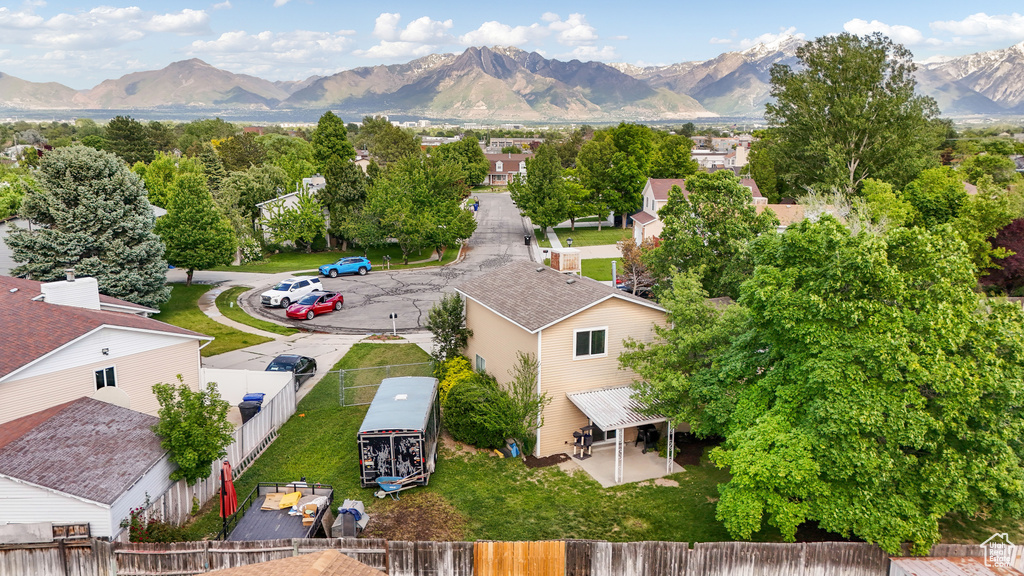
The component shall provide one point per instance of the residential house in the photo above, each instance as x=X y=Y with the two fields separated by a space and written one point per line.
x=311 y=184
x=64 y=340
x=647 y=223
x=575 y=327
x=504 y=167
x=83 y=461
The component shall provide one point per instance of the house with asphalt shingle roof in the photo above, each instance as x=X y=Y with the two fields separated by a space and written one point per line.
x=574 y=326
x=63 y=340
x=84 y=461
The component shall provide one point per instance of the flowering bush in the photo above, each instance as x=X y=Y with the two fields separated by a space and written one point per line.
x=143 y=527
x=251 y=250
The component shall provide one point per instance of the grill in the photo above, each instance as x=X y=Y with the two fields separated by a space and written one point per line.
x=265 y=300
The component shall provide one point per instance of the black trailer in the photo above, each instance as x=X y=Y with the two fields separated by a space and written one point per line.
x=399 y=434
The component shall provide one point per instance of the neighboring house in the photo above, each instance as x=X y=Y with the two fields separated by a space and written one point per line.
x=289 y=201
x=788 y=214
x=63 y=340
x=647 y=223
x=504 y=167
x=81 y=461
x=574 y=326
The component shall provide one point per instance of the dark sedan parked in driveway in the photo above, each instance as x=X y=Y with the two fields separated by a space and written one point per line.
x=303 y=367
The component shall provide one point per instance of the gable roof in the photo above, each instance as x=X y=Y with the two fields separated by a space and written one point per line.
x=661 y=186
x=754 y=190
x=329 y=562
x=534 y=299
x=36 y=328
x=509 y=162
x=86 y=448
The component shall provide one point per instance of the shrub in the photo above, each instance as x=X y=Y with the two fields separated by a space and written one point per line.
x=145 y=528
x=472 y=412
x=251 y=250
x=452 y=373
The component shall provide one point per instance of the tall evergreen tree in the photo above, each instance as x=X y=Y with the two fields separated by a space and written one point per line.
x=345 y=187
x=129 y=139
x=94 y=217
x=197 y=235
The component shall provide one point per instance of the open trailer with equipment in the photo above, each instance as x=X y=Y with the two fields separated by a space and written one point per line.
x=398 y=437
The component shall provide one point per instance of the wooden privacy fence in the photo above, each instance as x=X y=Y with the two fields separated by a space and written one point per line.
x=571 y=558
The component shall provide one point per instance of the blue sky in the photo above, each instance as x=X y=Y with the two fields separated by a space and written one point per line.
x=81 y=43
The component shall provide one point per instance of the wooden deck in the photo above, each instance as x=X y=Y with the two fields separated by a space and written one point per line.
x=257 y=524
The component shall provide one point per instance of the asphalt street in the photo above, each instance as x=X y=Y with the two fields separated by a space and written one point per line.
x=370 y=299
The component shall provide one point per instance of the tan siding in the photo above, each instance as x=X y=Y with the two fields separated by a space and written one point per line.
x=496 y=340
x=136 y=375
x=562 y=374
x=653 y=229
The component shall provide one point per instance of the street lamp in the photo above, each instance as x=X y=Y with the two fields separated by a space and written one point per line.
x=569 y=242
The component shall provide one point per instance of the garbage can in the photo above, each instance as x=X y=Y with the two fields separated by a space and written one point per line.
x=254 y=396
x=248 y=408
x=527 y=238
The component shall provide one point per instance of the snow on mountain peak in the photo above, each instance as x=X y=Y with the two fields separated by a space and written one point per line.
x=771 y=44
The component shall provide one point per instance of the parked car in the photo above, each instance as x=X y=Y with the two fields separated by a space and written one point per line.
x=641 y=291
x=352 y=265
x=290 y=290
x=316 y=302
x=303 y=367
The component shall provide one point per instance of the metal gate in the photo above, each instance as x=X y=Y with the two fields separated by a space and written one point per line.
x=357 y=386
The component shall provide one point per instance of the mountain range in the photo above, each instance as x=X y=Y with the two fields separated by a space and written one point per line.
x=506 y=83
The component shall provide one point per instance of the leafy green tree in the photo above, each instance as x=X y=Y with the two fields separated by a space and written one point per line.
x=291 y=154
x=193 y=428
x=386 y=142
x=885 y=205
x=468 y=155
x=129 y=139
x=525 y=407
x=540 y=193
x=14 y=182
x=94 y=217
x=241 y=152
x=196 y=234
x=199 y=132
x=937 y=195
x=849 y=112
x=301 y=224
x=162 y=136
x=160 y=175
x=212 y=167
x=242 y=191
x=580 y=202
x=447 y=322
x=672 y=158
x=707 y=232
x=763 y=165
x=616 y=167
x=1002 y=170
x=869 y=392
x=345 y=188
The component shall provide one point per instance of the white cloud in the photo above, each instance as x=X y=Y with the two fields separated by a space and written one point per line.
x=999 y=27
x=21 y=19
x=421 y=37
x=279 y=3
x=550 y=17
x=297 y=46
x=186 y=22
x=495 y=33
x=721 y=40
x=586 y=53
x=225 y=5
x=574 y=31
x=898 y=33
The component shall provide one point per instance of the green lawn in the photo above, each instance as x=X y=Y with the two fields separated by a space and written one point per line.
x=600 y=268
x=492 y=498
x=183 y=310
x=289 y=261
x=542 y=238
x=591 y=237
x=229 y=296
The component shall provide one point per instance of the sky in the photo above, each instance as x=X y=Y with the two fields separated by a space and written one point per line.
x=79 y=43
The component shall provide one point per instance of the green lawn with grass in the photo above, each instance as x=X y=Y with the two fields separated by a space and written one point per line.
x=591 y=237
x=183 y=310
x=542 y=238
x=291 y=261
x=229 y=296
x=600 y=268
x=501 y=499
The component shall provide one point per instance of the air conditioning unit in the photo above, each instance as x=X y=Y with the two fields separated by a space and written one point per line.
x=566 y=260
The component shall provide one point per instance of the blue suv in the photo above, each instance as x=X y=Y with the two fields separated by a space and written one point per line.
x=353 y=265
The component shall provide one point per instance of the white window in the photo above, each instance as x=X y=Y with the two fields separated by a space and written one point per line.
x=590 y=343
x=481 y=364
x=522 y=166
x=498 y=166
x=105 y=377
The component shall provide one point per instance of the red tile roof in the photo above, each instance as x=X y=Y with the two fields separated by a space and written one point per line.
x=89 y=449
x=30 y=329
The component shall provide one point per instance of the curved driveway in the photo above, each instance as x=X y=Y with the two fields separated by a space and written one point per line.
x=411 y=293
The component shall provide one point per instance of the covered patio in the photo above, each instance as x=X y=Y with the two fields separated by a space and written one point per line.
x=615 y=409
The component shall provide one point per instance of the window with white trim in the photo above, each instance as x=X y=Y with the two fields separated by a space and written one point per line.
x=105 y=377
x=481 y=364
x=590 y=343
x=498 y=166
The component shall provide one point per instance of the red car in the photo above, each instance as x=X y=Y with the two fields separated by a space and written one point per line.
x=315 y=303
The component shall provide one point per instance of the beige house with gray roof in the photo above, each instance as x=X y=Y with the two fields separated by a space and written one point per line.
x=575 y=326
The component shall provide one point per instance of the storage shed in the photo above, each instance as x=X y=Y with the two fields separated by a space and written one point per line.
x=398 y=436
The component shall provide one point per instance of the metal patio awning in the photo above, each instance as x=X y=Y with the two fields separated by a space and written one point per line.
x=612 y=408
x=615 y=409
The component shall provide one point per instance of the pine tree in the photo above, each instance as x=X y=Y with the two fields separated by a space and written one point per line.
x=93 y=216
x=197 y=235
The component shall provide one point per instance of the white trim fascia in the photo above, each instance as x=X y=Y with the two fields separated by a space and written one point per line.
x=282 y=197
x=25 y=366
x=540 y=413
x=136 y=310
x=55 y=491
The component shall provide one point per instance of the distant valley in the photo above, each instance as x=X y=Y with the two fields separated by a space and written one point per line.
x=503 y=83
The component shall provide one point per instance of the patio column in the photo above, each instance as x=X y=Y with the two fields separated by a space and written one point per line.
x=671 y=441
x=618 y=456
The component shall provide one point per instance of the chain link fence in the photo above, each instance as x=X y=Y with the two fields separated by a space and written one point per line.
x=357 y=386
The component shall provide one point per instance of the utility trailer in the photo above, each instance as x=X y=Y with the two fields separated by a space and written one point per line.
x=399 y=434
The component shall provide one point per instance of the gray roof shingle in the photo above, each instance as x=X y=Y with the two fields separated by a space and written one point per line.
x=536 y=299
x=90 y=449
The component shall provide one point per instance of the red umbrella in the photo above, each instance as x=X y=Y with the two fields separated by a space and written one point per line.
x=228 y=498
